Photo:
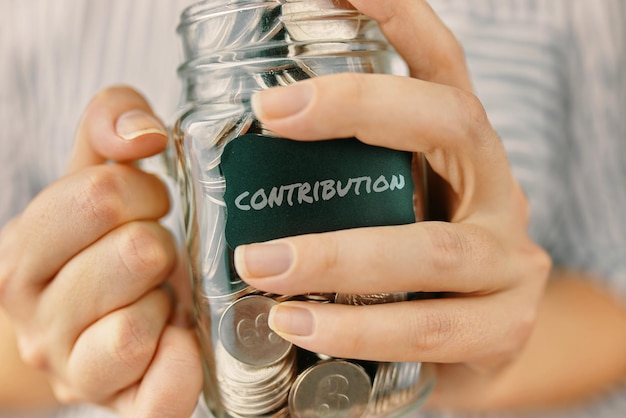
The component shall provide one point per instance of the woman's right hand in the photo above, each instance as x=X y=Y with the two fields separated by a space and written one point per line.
x=87 y=273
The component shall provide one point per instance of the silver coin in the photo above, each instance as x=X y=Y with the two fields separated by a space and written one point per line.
x=237 y=373
x=275 y=296
x=306 y=21
x=319 y=297
x=281 y=413
x=314 y=297
x=263 y=400
x=252 y=378
x=253 y=391
x=246 y=335
x=330 y=389
x=399 y=387
x=369 y=299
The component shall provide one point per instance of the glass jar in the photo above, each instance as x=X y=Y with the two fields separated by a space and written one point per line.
x=240 y=184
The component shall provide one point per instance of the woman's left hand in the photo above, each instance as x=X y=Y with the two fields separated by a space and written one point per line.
x=491 y=273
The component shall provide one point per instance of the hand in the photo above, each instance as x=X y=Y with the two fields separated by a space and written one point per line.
x=82 y=272
x=482 y=260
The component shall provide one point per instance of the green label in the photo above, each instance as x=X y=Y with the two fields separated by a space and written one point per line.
x=279 y=187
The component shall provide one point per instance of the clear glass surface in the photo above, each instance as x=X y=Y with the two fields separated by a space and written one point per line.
x=232 y=49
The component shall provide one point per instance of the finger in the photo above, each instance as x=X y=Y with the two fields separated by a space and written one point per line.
x=119 y=125
x=438 y=330
x=79 y=208
x=429 y=48
x=379 y=109
x=172 y=383
x=139 y=256
x=183 y=315
x=427 y=257
x=448 y=125
x=115 y=351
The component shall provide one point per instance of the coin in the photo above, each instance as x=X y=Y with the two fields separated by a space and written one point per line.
x=253 y=391
x=251 y=378
x=369 y=299
x=246 y=335
x=399 y=387
x=315 y=297
x=321 y=20
x=330 y=389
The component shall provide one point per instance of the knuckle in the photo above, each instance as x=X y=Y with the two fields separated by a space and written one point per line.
x=515 y=338
x=354 y=83
x=474 y=123
x=143 y=251
x=182 y=351
x=543 y=264
x=448 y=247
x=99 y=196
x=131 y=342
x=329 y=249
x=66 y=395
x=431 y=330
x=351 y=86
x=33 y=353
x=538 y=264
x=471 y=107
x=353 y=343
x=522 y=330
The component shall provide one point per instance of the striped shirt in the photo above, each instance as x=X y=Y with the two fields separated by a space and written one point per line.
x=551 y=74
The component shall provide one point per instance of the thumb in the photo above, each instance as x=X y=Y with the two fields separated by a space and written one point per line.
x=426 y=44
x=117 y=125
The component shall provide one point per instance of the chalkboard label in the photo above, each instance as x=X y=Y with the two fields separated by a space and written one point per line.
x=278 y=187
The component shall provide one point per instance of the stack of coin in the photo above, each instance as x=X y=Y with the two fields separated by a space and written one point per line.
x=259 y=374
x=256 y=367
x=397 y=385
x=252 y=391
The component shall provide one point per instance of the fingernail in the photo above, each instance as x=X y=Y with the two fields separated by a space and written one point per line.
x=263 y=260
x=293 y=320
x=136 y=123
x=282 y=102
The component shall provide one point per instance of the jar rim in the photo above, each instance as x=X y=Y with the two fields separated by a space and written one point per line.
x=250 y=54
x=206 y=8
x=213 y=8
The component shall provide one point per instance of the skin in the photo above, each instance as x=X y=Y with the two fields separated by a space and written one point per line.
x=22 y=388
x=483 y=258
x=481 y=335
x=574 y=355
x=114 y=338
